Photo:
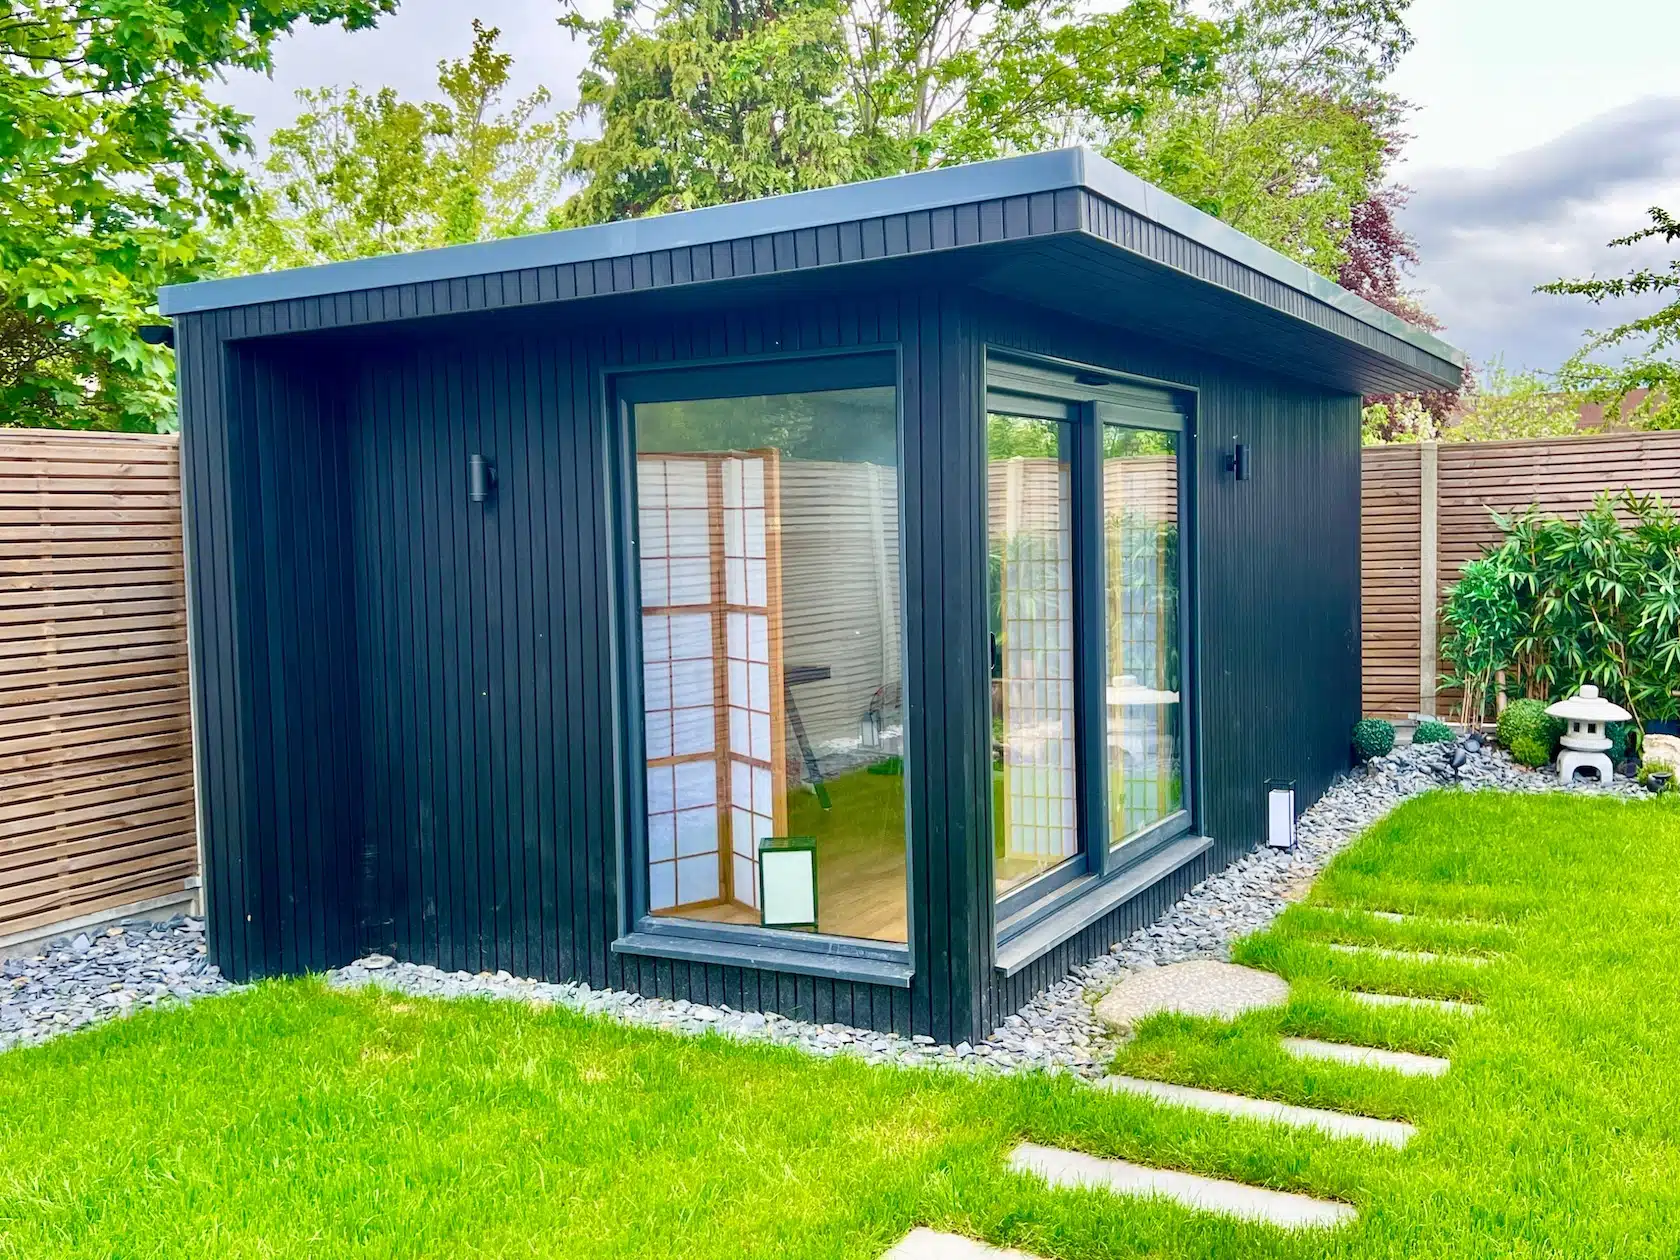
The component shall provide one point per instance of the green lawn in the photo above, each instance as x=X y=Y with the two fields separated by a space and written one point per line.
x=293 y=1121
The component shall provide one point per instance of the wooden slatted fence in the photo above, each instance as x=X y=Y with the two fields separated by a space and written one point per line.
x=96 y=788
x=1442 y=492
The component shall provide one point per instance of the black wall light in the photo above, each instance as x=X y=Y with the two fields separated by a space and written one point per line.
x=1237 y=461
x=481 y=478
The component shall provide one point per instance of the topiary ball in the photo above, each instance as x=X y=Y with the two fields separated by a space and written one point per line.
x=1433 y=733
x=1529 y=733
x=1373 y=737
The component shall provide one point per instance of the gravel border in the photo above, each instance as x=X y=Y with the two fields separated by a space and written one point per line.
x=82 y=980
x=87 y=978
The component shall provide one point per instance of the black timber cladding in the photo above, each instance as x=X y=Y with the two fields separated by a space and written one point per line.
x=451 y=672
x=405 y=711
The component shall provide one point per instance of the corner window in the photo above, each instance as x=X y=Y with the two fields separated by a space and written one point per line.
x=771 y=645
x=1086 y=577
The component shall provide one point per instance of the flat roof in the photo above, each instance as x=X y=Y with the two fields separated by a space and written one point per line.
x=943 y=187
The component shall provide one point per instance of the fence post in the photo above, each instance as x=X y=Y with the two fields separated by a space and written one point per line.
x=1429 y=587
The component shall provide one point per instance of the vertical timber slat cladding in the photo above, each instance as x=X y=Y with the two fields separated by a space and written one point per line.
x=441 y=673
x=96 y=784
x=1389 y=525
x=1561 y=476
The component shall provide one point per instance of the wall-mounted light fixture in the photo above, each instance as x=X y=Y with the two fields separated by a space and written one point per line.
x=1280 y=813
x=481 y=478
x=1237 y=461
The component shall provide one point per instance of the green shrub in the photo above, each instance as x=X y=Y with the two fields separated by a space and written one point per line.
x=1656 y=767
x=1529 y=733
x=1373 y=737
x=1561 y=602
x=1433 y=733
x=1620 y=735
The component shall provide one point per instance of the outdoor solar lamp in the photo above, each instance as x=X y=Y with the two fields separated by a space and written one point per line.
x=1280 y=814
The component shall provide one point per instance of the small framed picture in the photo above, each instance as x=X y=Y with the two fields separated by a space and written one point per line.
x=787 y=882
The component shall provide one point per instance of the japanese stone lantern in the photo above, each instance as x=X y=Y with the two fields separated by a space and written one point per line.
x=1586 y=743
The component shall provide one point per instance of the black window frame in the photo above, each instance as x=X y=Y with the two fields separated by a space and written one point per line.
x=640 y=932
x=1090 y=397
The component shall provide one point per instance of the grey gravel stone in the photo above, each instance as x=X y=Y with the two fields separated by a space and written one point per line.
x=61 y=988
x=74 y=982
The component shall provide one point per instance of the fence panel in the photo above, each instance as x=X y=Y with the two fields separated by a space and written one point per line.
x=96 y=790
x=1402 y=591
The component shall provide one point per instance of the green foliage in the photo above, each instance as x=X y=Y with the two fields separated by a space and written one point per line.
x=1297 y=131
x=1561 y=603
x=1483 y=618
x=1372 y=737
x=1646 y=346
x=1620 y=735
x=1397 y=422
x=1651 y=769
x=1271 y=115
x=112 y=156
x=1529 y=733
x=1511 y=405
x=1433 y=733
x=363 y=173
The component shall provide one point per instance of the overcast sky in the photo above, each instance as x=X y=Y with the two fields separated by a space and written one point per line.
x=1543 y=128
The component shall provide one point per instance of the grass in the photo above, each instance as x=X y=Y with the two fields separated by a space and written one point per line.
x=295 y=1121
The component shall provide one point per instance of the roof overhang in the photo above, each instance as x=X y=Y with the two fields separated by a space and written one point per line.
x=1090 y=238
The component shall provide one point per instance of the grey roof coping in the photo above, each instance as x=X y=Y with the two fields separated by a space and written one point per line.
x=896 y=194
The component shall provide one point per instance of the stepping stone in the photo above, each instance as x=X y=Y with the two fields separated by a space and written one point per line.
x=1388 y=916
x=1335 y=1123
x=1427 y=1004
x=1367 y=1056
x=1415 y=956
x=1200 y=987
x=927 y=1244
x=1073 y=1170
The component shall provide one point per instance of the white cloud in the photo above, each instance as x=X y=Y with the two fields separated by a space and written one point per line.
x=403 y=51
x=1490 y=234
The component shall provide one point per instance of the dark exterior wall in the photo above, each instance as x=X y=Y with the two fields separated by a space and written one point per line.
x=1278 y=598
x=439 y=684
x=274 y=669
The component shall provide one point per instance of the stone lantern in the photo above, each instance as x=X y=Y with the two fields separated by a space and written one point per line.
x=1586 y=743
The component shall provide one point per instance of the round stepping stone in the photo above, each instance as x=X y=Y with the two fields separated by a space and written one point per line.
x=1199 y=987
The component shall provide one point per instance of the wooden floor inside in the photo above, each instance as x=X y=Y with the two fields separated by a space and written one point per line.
x=861 y=859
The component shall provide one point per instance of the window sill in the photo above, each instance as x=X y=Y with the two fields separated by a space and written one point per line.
x=1091 y=899
x=715 y=952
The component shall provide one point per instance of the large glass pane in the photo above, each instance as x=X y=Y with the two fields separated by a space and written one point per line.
x=1145 y=688
x=1030 y=546
x=772 y=645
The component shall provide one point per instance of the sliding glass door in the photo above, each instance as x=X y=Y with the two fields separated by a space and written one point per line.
x=1086 y=578
x=1029 y=462
x=1144 y=689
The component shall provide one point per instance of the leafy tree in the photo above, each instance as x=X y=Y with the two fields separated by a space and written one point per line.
x=111 y=157
x=708 y=101
x=1295 y=137
x=1378 y=259
x=363 y=173
x=1653 y=340
x=1512 y=405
